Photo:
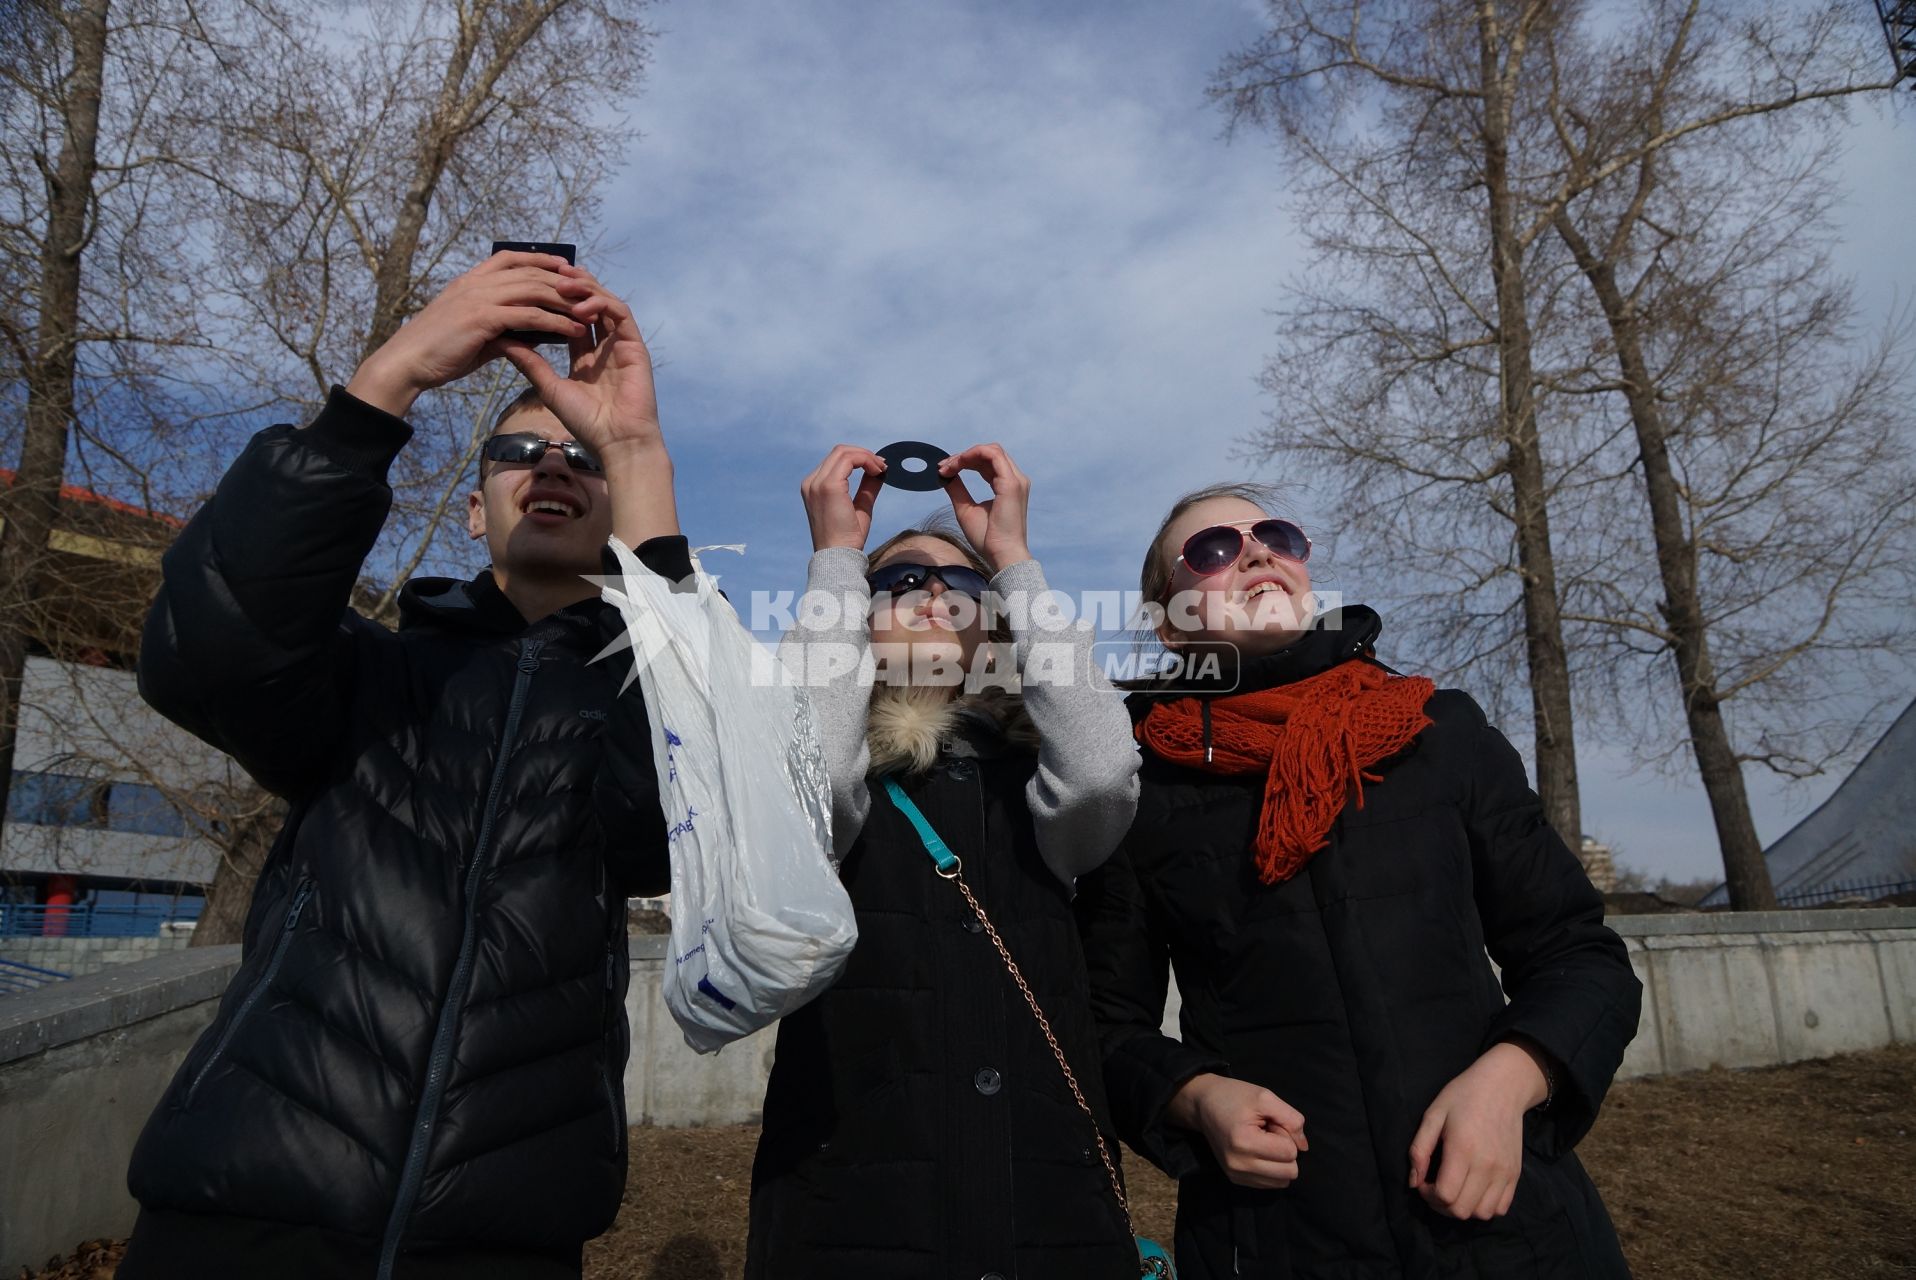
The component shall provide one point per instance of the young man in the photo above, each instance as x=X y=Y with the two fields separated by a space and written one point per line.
x=417 y=1071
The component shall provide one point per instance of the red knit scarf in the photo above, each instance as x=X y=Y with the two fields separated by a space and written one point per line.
x=1313 y=741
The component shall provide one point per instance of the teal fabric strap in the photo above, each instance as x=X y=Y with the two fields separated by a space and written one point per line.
x=1154 y=1261
x=934 y=845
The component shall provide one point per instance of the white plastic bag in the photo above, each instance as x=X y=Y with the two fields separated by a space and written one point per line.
x=760 y=922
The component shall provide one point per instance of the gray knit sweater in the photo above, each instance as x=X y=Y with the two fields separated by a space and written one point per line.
x=1085 y=790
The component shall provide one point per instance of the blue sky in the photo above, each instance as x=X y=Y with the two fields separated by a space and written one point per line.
x=1011 y=221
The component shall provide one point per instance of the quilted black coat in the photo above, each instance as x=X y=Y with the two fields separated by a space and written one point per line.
x=916 y=1124
x=423 y=1049
x=1355 y=991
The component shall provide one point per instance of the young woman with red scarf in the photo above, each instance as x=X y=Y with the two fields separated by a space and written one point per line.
x=1331 y=856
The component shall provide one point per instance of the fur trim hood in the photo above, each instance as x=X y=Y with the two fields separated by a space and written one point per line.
x=907 y=725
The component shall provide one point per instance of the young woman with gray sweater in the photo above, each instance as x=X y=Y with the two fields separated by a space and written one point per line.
x=917 y=1122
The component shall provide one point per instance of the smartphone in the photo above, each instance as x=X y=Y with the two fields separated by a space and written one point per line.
x=537 y=337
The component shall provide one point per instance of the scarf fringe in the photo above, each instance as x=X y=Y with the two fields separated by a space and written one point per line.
x=1313 y=741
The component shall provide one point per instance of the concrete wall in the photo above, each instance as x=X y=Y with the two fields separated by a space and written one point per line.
x=78 y=957
x=82 y=1064
x=1732 y=990
x=666 y=1083
x=1756 y=989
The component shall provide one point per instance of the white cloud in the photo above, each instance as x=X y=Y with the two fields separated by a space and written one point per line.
x=957 y=224
x=969 y=221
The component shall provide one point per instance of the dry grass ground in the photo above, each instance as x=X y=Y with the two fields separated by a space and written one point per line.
x=1789 y=1173
x=1804 y=1172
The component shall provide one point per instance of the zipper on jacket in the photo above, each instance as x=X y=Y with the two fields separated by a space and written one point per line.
x=605 y=1065
x=280 y=945
x=439 y=1065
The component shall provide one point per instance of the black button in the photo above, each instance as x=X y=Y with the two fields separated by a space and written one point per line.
x=987 y=1081
x=972 y=925
x=961 y=770
x=991 y=1275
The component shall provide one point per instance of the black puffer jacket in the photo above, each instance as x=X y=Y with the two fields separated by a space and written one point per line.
x=1355 y=991
x=425 y=1044
x=916 y=1124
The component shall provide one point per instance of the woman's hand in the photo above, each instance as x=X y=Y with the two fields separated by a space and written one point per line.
x=995 y=526
x=840 y=518
x=1477 y=1121
x=1255 y=1135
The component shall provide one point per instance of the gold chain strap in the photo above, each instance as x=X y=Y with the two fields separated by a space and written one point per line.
x=1044 y=1025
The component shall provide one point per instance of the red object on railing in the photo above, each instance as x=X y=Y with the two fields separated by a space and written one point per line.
x=61 y=890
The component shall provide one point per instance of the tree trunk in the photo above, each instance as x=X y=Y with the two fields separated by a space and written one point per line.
x=1543 y=620
x=1747 y=874
x=439 y=139
x=392 y=278
x=33 y=503
x=242 y=857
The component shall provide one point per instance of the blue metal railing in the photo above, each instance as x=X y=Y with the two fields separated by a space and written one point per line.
x=17 y=976
x=34 y=920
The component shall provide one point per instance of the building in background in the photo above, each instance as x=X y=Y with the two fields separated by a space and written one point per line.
x=1861 y=842
x=101 y=831
x=1598 y=864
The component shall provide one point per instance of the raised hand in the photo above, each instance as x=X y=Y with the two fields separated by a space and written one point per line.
x=461 y=329
x=609 y=405
x=996 y=526
x=839 y=517
x=1255 y=1135
x=1477 y=1122
x=608 y=402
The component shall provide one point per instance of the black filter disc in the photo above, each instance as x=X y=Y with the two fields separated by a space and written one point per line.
x=917 y=481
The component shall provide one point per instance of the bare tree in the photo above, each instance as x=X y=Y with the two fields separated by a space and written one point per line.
x=68 y=90
x=1446 y=369
x=349 y=198
x=1445 y=84
x=1751 y=406
x=87 y=96
x=277 y=210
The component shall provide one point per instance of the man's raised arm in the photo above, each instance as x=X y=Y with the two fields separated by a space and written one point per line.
x=249 y=644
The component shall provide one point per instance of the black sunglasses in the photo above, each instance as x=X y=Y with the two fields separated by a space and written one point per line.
x=1217 y=548
x=900 y=576
x=523 y=446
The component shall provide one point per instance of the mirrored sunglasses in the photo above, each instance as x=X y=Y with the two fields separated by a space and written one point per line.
x=524 y=447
